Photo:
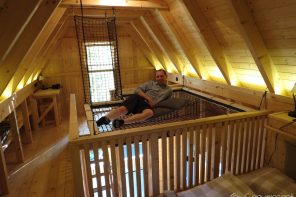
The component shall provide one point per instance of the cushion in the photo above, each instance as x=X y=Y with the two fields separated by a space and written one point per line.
x=158 y=111
x=269 y=181
x=224 y=186
x=172 y=103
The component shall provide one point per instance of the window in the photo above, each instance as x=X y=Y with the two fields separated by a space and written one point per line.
x=100 y=71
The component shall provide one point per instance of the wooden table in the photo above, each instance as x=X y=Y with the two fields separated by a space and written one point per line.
x=53 y=95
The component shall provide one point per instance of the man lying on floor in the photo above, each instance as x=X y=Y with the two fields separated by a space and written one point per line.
x=141 y=103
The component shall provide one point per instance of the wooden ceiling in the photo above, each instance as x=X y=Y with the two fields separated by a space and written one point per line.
x=243 y=43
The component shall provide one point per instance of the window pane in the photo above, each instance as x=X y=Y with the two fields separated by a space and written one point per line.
x=100 y=84
x=99 y=57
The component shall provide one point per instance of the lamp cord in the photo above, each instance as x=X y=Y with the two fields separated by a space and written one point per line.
x=263 y=97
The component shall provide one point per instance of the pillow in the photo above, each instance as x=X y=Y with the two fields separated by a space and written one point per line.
x=224 y=186
x=172 y=103
x=266 y=181
x=158 y=111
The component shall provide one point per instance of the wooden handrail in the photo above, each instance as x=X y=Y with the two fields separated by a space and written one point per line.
x=73 y=121
x=164 y=127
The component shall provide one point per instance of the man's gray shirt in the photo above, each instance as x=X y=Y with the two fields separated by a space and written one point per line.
x=155 y=91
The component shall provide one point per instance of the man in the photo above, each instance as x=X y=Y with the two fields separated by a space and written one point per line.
x=141 y=103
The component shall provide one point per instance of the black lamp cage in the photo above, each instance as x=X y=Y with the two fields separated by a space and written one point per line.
x=98 y=49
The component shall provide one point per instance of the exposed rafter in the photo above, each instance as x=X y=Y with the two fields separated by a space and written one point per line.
x=184 y=43
x=150 y=41
x=47 y=50
x=152 y=4
x=255 y=43
x=34 y=51
x=12 y=25
x=168 y=47
x=143 y=46
x=211 y=42
x=10 y=64
x=119 y=13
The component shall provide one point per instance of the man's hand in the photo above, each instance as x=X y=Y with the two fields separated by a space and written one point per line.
x=147 y=98
x=150 y=102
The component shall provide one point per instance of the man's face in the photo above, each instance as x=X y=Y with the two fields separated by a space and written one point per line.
x=160 y=77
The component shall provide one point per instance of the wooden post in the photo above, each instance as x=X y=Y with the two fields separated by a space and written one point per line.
x=34 y=113
x=77 y=172
x=3 y=173
x=56 y=111
x=26 y=120
x=16 y=136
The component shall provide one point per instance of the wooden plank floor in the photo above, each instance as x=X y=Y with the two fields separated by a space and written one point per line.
x=47 y=169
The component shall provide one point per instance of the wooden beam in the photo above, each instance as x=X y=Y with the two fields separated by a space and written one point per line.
x=119 y=13
x=26 y=62
x=13 y=23
x=47 y=50
x=151 y=4
x=185 y=45
x=150 y=22
x=211 y=42
x=143 y=46
x=9 y=66
x=18 y=97
x=3 y=172
x=251 y=35
x=151 y=42
x=16 y=136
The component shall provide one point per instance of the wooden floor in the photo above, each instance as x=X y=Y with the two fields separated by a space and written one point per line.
x=47 y=167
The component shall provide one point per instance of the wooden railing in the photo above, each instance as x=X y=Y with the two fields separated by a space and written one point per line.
x=175 y=156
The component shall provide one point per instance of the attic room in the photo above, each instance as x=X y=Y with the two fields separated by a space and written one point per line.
x=228 y=128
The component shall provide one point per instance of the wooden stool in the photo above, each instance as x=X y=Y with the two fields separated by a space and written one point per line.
x=52 y=95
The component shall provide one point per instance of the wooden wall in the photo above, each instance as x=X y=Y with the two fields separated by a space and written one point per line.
x=64 y=65
x=277 y=27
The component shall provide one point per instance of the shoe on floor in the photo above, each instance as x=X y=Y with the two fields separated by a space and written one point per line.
x=117 y=123
x=102 y=120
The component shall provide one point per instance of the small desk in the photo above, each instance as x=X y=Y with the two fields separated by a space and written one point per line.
x=52 y=94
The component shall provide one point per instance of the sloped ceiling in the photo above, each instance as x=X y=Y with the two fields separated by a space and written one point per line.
x=243 y=43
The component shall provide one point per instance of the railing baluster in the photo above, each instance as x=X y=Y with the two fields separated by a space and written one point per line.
x=196 y=155
x=88 y=169
x=164 y=161
x=130 y=166
x=122 y=167
x=240 y=146
x=178 y=160
x=253 y=126
x=138 y=168
x=184 y=159
x=264 y=141
x=249 y=140
x=145 y=164
x=114 y=169
x=155 y=163
x=202 y=153
x=244 y=148
x=97 y=167
x=106 y=167
x=235 y=146
x=224 y=146
x=259 y=140
x=190 y=161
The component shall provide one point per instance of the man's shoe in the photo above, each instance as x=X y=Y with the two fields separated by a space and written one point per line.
x=103 y=120
x=117 y=123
